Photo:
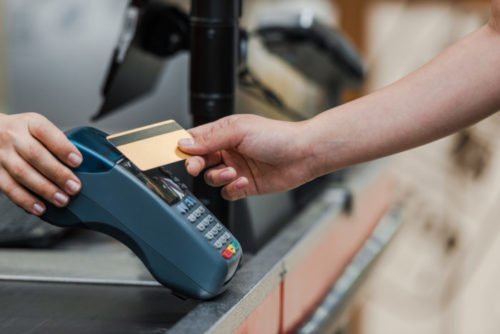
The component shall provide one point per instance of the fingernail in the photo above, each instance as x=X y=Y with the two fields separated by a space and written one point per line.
x=61 y=199
x=74 y=159
x=227 y=175
x=240 y=184
x=188 y=142
x=38 y=209
x=72 y=186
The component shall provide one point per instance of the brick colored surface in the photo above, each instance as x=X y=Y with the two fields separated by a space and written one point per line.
x=306 y=285
x=264 y=319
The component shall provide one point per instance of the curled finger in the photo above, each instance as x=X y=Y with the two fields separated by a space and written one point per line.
x=27 y=176
x=195 y=165
x=54 y=139
x=44 y=162
x=20 y=196
x=220 y=176
x=237 y=189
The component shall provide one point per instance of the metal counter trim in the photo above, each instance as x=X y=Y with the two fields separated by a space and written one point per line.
x=264 y=272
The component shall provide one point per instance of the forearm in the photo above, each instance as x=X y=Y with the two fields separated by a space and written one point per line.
x=457 y=89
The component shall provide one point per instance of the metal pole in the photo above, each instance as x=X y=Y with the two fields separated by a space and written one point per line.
x=214 y=53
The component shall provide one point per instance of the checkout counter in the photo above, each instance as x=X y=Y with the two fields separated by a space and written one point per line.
x=300 y=274
x=303 y=280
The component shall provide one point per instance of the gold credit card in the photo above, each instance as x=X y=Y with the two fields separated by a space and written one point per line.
x=152 y=146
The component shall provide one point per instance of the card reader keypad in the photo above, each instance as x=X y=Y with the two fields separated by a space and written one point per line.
x=190 y=202
x=206 y=224
x=214 y=232
x=183 y=208
x=193 y=217
x=202 y=226
x=222 y=240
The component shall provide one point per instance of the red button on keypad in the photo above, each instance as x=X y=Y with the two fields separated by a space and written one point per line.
x=227 y=254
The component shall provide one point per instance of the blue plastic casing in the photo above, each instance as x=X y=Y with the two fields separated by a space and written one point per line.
x=182 y=244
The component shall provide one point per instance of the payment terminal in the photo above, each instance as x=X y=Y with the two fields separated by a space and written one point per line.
x=153 y=213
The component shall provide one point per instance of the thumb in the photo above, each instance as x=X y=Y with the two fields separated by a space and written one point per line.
x=213 y=137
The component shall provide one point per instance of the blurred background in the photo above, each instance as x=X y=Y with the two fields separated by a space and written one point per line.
x=440 y=274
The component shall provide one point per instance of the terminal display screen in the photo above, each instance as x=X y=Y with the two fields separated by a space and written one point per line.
x=158 y=181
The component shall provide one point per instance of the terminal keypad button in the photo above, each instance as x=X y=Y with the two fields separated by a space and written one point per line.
x=182 y=208
x=214 y=231
x=229 y=251
x=190 y=202
x=223 y=239
x=231 y=248
x=227 y=254
x=206 y=221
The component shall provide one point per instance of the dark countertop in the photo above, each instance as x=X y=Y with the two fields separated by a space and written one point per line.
x=107 y=289
x=31 y=307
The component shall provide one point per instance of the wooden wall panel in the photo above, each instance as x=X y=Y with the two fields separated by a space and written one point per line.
x=305 y=286
x=353 y=18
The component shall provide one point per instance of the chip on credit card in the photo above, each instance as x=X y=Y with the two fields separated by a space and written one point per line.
x=152 y=146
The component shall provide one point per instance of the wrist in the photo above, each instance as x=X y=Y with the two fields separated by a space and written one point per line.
x=313 y=146
x=327 y=142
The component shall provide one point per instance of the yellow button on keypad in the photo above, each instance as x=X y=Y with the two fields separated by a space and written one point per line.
x=231 y=249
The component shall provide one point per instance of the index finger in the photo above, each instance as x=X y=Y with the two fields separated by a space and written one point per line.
x=213 y=137
x=55 y=140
